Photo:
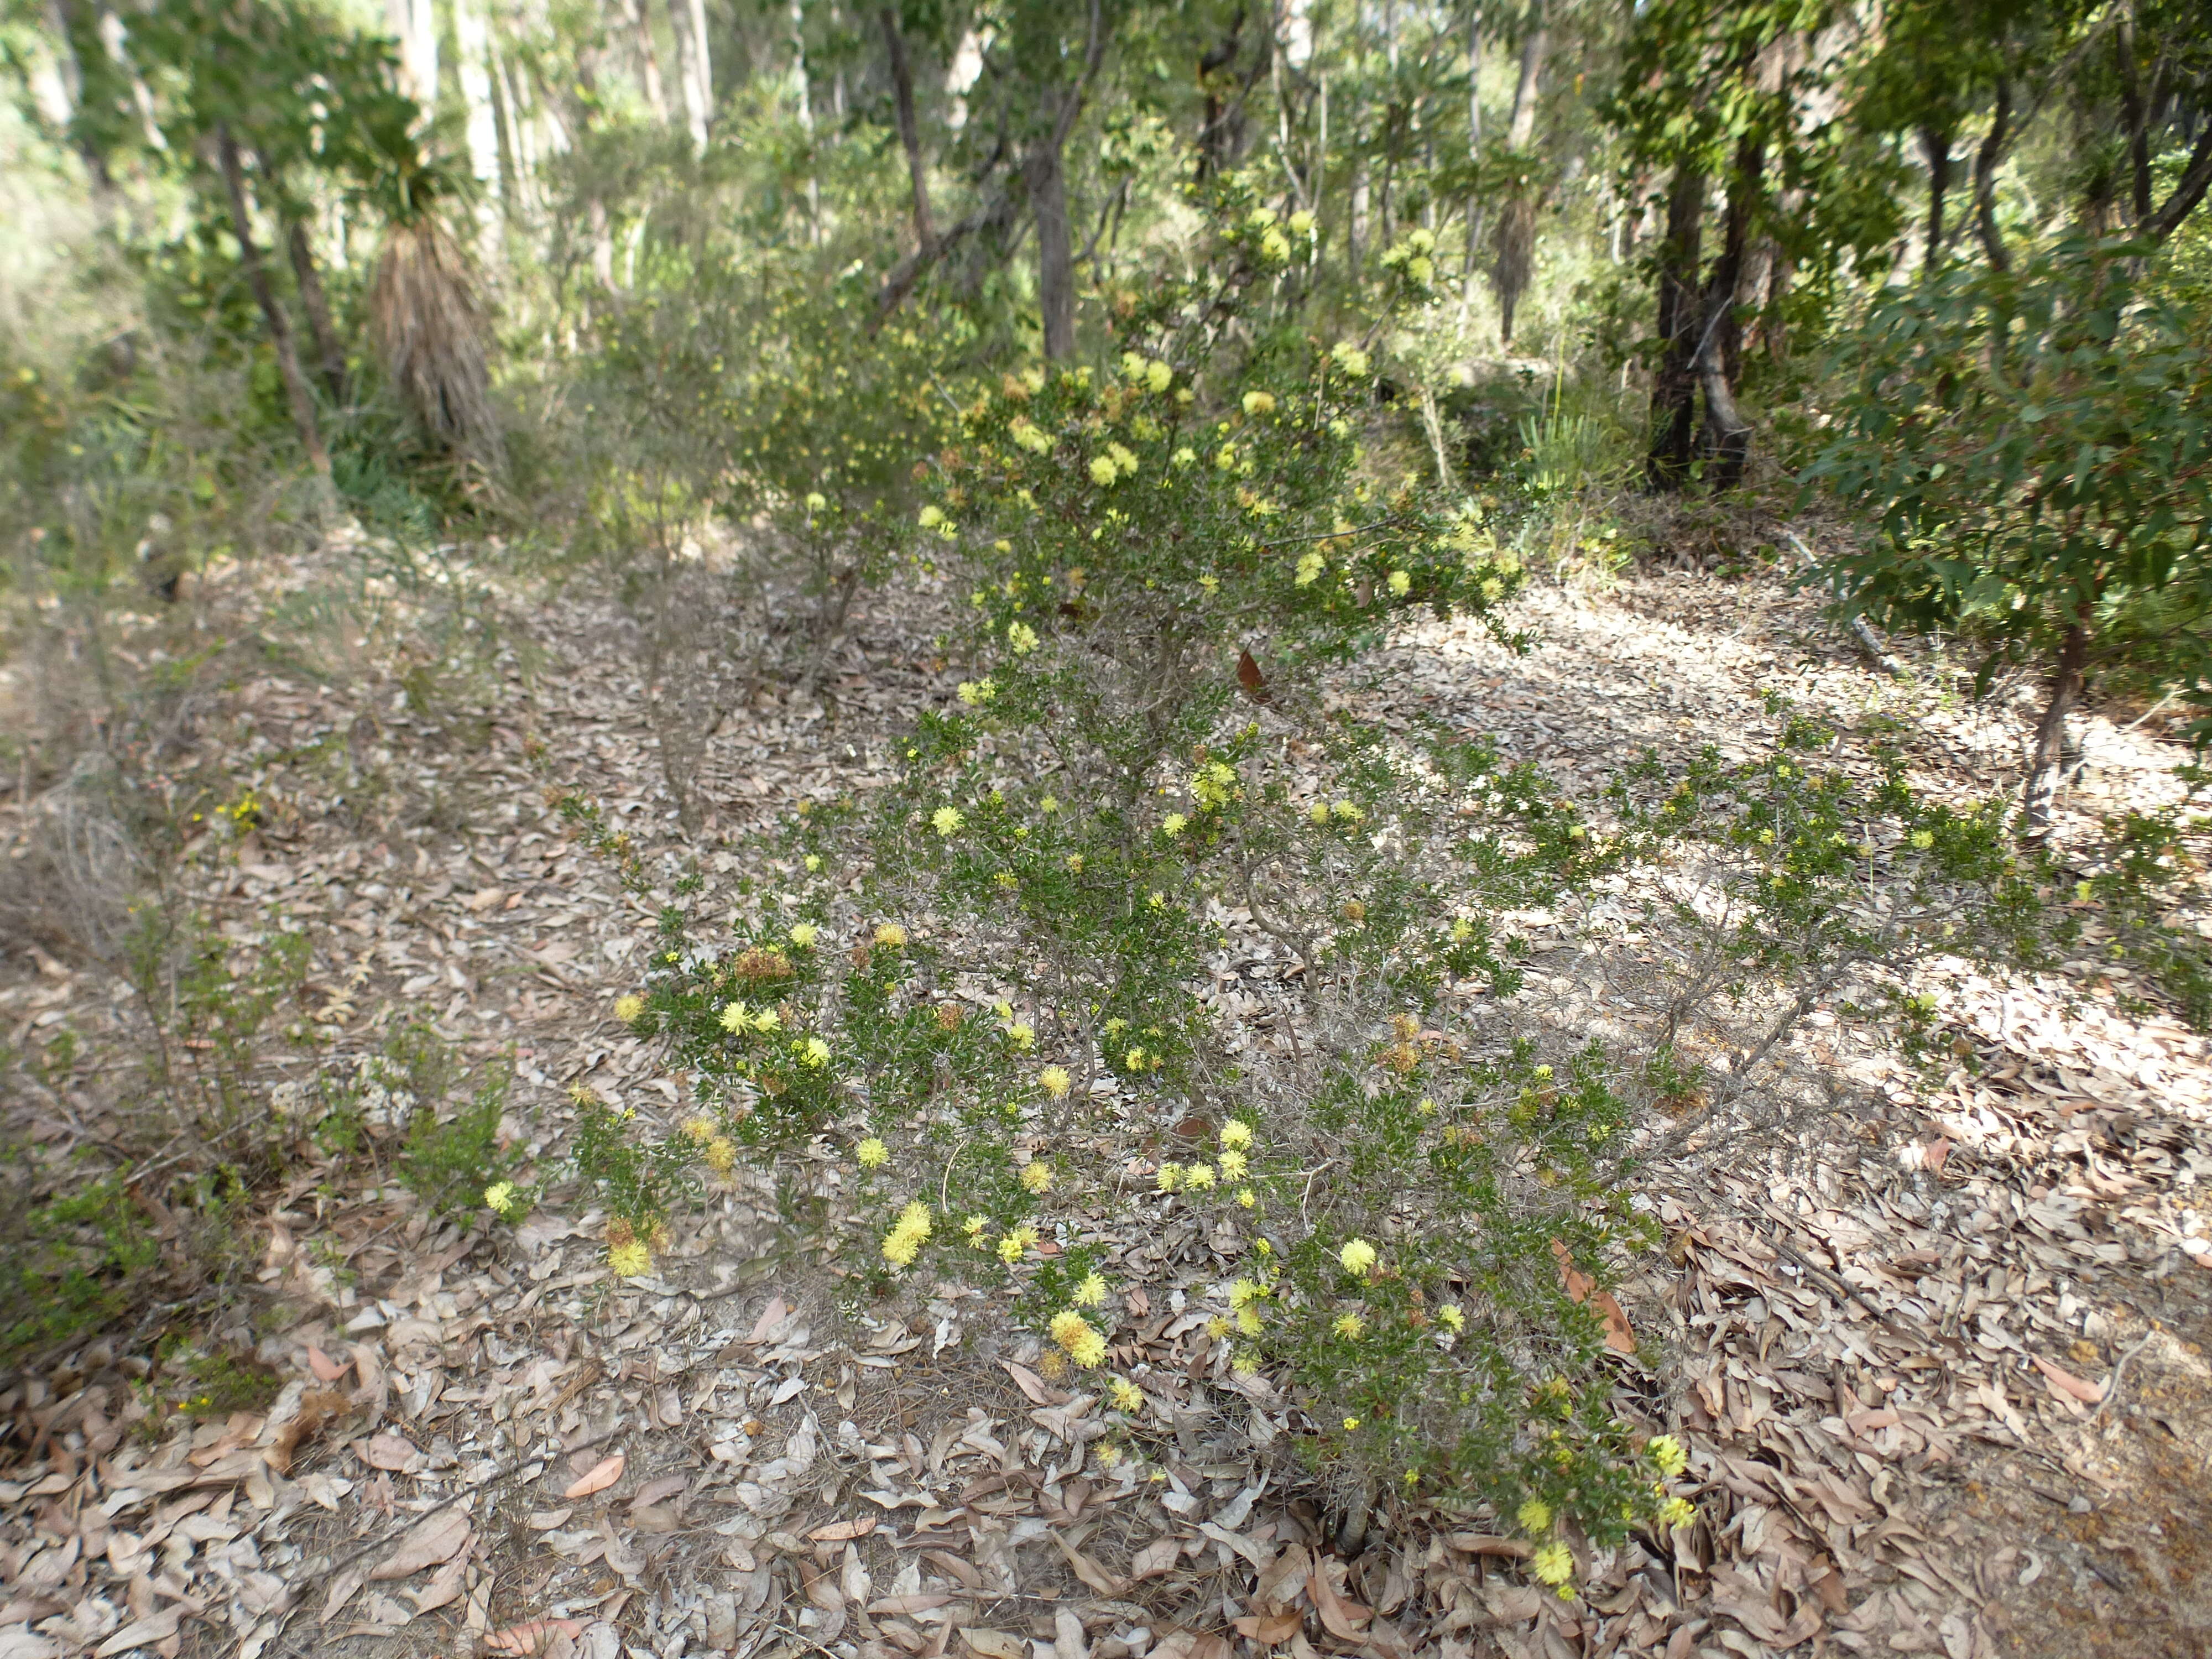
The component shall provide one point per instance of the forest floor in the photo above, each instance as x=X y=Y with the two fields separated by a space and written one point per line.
x=1934 y=1332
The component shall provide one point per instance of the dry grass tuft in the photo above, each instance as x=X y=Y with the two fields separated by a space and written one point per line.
x=434 y=338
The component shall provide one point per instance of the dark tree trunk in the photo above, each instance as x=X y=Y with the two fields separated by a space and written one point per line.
x=1673 y=390
x=1986 y=180
x=1937 y=144
x=272 y=314
x=1216 y=146
x=1726 y=438
x=2043 y=772
x=925 y=230
x=329 y=354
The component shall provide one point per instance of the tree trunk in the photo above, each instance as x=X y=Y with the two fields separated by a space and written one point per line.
x=1473 y=155
x=1048 y=187
x=1986 y=180
x=272 y=314
x=2066 y=681
x=414 y=24
x=329 y=354
x=1522 y=126
x=1937 y=144
x=1673 y=390
x=648 y=61
x=690 y=75
x=925 y=229
x=473 y=40
x=1727 y=435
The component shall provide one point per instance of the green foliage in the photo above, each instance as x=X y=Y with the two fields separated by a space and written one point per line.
x=70 y=1265
x=2039 y=455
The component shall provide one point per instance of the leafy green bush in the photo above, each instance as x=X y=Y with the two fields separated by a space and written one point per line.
x=2036 y=446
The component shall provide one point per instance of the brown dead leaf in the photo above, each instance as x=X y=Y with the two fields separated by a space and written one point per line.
x=1039 y=1391
x=1269 y=1629
x=326 y=1370
x=919 y=1601
x=315 y=1413
x=1248 y=677
x=772 y=1315
x=1156 y=1557
x=841 y=1532
x=1580 y=1287
x=995 y=1644
x=652 y=1491
x=2067 y=1386
x=444 y=1584
x=1341 y=1619
x=534 y=1636
x=601 y=1475
x=962 y=1570
x=435 y=1538
x=1286 y=1576
x=388 y=1451
x=1088 y=1570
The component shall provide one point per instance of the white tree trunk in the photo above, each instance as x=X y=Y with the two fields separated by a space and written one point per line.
x=414 y=24
x=474 y=41
x=687 y=22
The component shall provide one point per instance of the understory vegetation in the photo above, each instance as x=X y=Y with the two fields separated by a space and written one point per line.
x=1159 y=366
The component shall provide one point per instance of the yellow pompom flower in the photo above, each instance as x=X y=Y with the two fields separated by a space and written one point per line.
x=1090 y=1350
x=947 y=820
x=1092 y=1291
x=699 y=1130
x=1055 y=1081
x=816 y=501
x=1158 y=375
x=1244 y=1292
x=930 y=517
x=628 y=1008
x=1450 y=1317
x=1198 y=1178
x=889 y=935
x=1102 y=471
x=1534 y=1516
x=813 y=1054
x=1232 y=1165
x=804 y=934
x=1248 y=1321
x=1174 y=824
x=1021 y=638
x=721 y=1154
x=1677 y=1512
x=1236 y=1135
x=1023 y=1036
x=872 y=1153
x=901 y=1246
x=1219 y=1328
x=973 y=1226
x=1085 y=1345
x=1667 y=1452
x=1351 y=1327
x=1358 y=1256
x=1318 y=812
x=629 y=1260
x=1127 y=1396
x=1345 y=811
x=736 y=1017
x=1185 y=456
x=499 y=1198
x=1553 y=1563
x=1350 y=1424
x=1037 y=1177
x=1401 y=582
x=1170 y=1177
x=1350 y=358
x=1310 y=565
x=1924 y=839
x=1247 y=1197
x=1258 y=403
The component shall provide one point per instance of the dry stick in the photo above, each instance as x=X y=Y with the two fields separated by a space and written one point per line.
x=2119 y=1370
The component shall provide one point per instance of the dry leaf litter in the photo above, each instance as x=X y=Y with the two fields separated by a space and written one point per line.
x=1932 y=1335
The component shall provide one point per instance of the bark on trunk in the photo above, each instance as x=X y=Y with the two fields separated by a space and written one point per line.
x=1673 y=390
x=690 y=77
x=1937 y=145
x=1726 y=438
x=648 y=61
x=925 y=229
x=2066 y=680
x=1986 y=180
x=329 y=354
x=1047 y=188
x=272 y=314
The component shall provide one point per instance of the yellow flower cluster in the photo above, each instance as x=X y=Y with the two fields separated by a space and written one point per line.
x=1021 y=638
x=1085 y=1345
x=1092 y=1291
x=804 y=934
x=628 y=1008
x=629 y=1260
x=499 y=1198
x=890 y=935
x=908 y=1235
x=1357 y=1257
x=1036 y=1177
x=813 y=1054
x=947 y=820
x=1055 y=1081
x=1553 y=1564
x=976 y=693
x=1029 y=436
x=1127 y=1396
x=872 y=1153
x=1667 y=1452
x=1214 y=785
x=738 y=1019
